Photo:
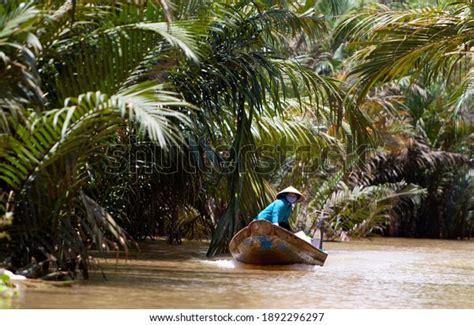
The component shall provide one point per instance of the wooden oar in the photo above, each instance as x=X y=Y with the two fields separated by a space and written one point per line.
x=315 y=241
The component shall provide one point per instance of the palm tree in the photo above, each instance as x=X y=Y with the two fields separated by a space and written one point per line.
x=412 y=71
x=87 y=83
x=245 y=76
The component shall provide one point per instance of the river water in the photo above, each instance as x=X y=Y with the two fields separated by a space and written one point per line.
x=378 y=273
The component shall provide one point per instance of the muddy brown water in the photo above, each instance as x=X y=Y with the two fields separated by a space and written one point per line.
x=377 y=273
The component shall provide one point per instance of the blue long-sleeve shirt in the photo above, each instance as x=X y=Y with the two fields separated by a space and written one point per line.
x=278 y=211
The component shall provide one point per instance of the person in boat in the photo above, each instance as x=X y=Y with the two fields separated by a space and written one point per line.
x=280 y=210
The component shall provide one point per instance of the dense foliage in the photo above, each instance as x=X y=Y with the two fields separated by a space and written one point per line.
x=126 y=120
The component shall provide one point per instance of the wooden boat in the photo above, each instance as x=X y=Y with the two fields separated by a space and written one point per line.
x=266 y=244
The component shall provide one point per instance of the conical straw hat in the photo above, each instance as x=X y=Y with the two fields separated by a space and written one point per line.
x=291 y=189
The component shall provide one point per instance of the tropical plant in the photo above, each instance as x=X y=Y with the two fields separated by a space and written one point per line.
x=19 y=45
x=49 y=157
x=434 y=41
x=436 y=171
x=362 y=210
x=411 y=72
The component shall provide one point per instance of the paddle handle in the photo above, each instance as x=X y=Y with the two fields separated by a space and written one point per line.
x=318 y=242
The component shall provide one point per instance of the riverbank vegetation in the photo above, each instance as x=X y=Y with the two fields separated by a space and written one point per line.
x=127 y=120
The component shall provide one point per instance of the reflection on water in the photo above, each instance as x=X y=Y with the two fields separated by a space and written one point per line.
x=380 y=273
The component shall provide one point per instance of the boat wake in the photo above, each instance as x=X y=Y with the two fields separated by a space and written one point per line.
x=222 y=264
x=233 y=264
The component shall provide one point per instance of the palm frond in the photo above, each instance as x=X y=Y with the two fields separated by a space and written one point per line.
x=431 y=41
x=362 y=210
x=58 y=132
x=116 y=58
x=101 y=221
x=18 y=68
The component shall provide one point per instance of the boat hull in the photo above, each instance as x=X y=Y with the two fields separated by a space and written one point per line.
x=265 y=244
